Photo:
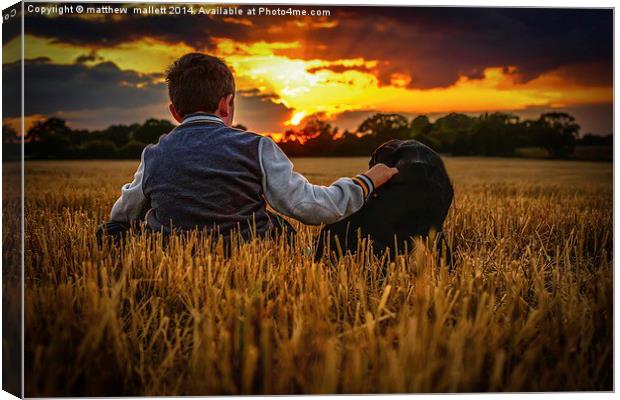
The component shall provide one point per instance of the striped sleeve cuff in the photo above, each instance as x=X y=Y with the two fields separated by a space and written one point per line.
x=365 y=183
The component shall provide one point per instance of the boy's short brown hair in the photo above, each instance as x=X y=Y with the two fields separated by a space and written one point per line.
x=197 y=82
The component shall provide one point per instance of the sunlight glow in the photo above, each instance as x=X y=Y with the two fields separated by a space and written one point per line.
x=296 y=118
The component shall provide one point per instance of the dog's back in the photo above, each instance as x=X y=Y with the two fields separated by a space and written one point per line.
x=412 y=204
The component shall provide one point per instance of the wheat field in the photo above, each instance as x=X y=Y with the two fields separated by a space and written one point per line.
x=527 y=306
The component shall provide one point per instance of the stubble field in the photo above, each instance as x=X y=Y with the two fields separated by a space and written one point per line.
x=527 y=306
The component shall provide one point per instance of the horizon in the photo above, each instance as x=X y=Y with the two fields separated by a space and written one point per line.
x=338 y=134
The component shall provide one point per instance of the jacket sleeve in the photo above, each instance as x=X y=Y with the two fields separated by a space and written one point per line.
x=132 y=204
x=290 y=193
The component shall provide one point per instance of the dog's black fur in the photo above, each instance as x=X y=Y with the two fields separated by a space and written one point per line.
x=412 y=204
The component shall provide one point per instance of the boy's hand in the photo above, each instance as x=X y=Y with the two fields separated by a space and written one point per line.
x=380 y=173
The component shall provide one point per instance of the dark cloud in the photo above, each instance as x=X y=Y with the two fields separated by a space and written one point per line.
x=11 y=23
x=255 y=93
x=11 y=83
x=435 y=45
x=91 y=57
x=339 y=68
x=11 y=90
x=194 y=30
x=51 y=88
x=592 y=74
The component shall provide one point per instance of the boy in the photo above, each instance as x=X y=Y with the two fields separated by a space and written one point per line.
x=206 y=175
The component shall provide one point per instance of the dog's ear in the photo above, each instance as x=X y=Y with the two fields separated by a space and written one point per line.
x=385 y=153
x=373 y=157
x=375 y=154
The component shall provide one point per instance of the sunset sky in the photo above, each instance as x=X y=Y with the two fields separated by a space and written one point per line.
x=97 y=70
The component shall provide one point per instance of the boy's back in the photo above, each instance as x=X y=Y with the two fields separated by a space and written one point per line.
x=202 y=174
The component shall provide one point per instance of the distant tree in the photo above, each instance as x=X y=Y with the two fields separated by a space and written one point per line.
x=420 y=125
x=351 y=144
x=453 y=133
x=420 y=130
x=132 y=150
x=80 y=136
x=590 y=139
x=9 y=134
x=100 y=149
x=494 y=134
x=454 y=122
x=557 y=132
x=385 y=127
x=290 y=135
x=320 y=134
x=11 y=146
x=48 y=139
x=43 y=130
x=119 y=134
x=152 y=129
x=315 y=138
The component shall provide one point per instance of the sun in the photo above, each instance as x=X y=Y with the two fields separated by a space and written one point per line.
x=296 y=119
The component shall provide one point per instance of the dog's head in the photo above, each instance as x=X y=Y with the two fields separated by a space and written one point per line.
x=418 y=198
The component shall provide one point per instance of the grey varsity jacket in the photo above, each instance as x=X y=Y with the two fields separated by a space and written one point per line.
x=205 y=174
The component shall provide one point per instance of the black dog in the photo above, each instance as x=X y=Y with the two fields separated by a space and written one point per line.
x=412 y=204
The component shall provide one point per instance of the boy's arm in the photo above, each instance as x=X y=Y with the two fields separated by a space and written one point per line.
x=290 y=193
x=132 y=205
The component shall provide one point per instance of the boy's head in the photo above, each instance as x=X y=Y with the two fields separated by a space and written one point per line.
x=201 y=83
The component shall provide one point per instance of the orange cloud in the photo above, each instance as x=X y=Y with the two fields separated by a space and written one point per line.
x=315 y=86
x=29 y=121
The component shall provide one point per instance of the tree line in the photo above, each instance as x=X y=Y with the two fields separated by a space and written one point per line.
x=457 y=134
x=52 y=138
x=489 y=134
